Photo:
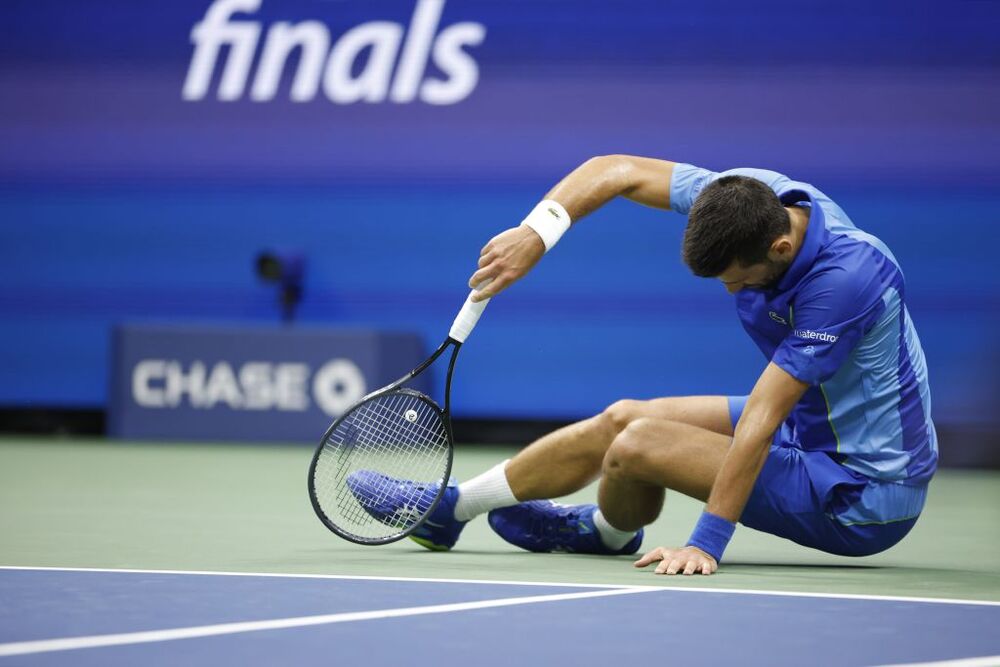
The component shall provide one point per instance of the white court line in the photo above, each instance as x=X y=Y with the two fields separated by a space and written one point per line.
x=692 y=589
x=281 y=575
x=984 y=661
x=95 y=641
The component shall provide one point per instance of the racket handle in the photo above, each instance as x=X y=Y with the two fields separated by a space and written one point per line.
x=466 y=320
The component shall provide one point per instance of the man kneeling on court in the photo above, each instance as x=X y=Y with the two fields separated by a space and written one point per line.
x=834 y=446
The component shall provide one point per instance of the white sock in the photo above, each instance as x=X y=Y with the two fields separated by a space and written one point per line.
x=483 y=493
x=612 y=537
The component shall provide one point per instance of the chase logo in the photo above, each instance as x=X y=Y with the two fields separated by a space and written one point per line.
x=254 y=385
x=333 y=64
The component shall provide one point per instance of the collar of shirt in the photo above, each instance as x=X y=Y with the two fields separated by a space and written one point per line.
x=810 y=244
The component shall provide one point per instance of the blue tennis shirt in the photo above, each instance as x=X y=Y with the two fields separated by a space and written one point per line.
x=837 y=319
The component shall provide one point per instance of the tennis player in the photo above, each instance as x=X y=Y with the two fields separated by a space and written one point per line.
x=832 y=449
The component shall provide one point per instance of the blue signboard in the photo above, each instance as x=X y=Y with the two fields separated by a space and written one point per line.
x=151 y=150
x=247 y=383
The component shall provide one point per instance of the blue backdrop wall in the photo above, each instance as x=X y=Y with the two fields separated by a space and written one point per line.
x=148 y=152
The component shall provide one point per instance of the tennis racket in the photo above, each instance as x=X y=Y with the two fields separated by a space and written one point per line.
x=392 y=435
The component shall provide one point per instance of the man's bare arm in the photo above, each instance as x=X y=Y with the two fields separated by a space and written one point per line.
x=512 y=253
x=599 y=180
x=770 y=403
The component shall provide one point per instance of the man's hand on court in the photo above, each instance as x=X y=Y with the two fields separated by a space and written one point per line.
x=687 y=560
x=505 y=259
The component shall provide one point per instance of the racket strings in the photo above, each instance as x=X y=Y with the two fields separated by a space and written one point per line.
x=387 y=442
x=403 y=446
x=397 y=444
x=401 y=443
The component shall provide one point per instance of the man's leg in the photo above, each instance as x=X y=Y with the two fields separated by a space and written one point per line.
x=643 y=458
x=570 y=458
x=650 y=456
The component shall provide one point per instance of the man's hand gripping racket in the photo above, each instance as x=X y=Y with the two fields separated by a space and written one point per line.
x=369 y=477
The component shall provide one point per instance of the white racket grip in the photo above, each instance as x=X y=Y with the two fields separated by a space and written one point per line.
x=466 y=320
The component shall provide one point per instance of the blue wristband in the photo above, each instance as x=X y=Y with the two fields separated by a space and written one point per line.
x=712 y=534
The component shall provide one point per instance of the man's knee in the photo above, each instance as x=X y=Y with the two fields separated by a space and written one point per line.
x=620 y=414
x=630 y=453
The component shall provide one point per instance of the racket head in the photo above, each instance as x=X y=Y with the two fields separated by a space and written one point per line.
x=396 y=433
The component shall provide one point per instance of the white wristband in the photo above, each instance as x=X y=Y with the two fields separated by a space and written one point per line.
x=550 y=220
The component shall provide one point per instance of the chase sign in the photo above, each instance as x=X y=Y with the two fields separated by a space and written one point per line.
x=270 y=384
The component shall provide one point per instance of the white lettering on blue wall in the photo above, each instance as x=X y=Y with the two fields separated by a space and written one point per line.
x=254 y=385
x=327 y=64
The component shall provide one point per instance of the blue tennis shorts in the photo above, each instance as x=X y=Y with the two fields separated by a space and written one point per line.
x=799 y=493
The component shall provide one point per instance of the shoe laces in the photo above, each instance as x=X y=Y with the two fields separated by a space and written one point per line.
x=547 y=525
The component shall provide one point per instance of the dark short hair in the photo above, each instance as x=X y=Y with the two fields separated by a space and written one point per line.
x=734 y=218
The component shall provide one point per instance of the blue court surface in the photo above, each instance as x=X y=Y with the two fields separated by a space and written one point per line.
x=127 y=617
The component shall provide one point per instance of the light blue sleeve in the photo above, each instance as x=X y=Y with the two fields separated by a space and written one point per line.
x=686 y=184
x=772 y=179
x=688 y=181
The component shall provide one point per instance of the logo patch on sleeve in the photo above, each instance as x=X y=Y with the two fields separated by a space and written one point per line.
x=809 y=334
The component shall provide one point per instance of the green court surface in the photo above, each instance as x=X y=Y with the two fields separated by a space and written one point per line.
x=236 y=508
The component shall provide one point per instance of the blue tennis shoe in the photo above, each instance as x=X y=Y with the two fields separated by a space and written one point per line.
x=393 y=501
x=545 y=526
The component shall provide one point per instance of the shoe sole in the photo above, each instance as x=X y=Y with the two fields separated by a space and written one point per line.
x=427 y=544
